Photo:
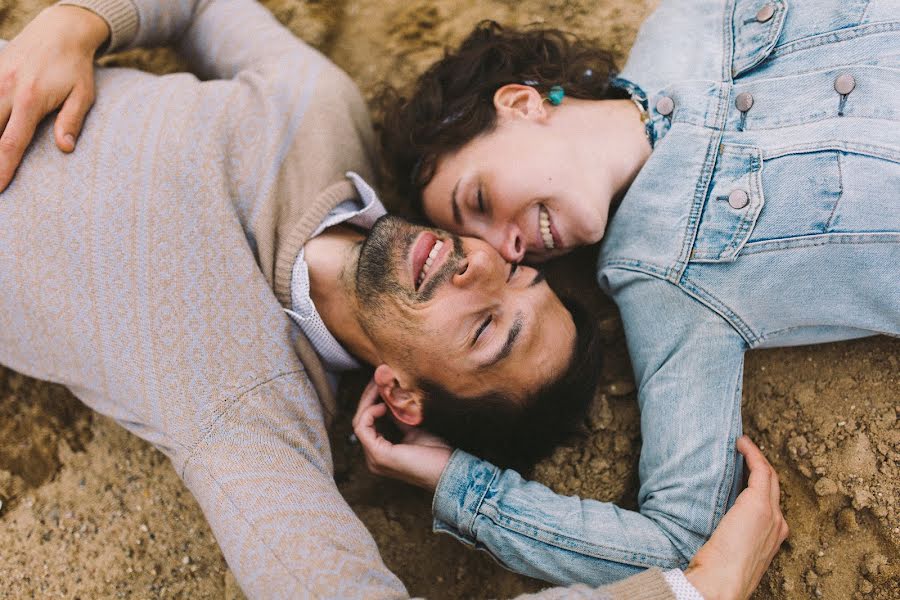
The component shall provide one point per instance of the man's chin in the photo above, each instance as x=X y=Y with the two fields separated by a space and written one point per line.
x=381 y=254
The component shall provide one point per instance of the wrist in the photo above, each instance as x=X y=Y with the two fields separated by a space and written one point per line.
x=88 y=30
x=701 y=582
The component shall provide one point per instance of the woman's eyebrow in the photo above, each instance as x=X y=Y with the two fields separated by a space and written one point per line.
x=457 y=214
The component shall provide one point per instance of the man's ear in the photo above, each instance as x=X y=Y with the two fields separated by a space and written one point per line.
x=405 y=403
x=517 y=100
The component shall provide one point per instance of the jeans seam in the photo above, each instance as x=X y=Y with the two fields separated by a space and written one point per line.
x=481 y=501
x=724 y=490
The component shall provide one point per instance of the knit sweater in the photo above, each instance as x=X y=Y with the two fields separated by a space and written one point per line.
x=148 y=271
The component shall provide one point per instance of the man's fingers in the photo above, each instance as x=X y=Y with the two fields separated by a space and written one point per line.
x=15 y=139
x=71 y=118
x=365 y=426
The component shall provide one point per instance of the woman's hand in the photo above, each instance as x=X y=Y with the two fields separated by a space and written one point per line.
x=730 y=565
x=419 y=459
x=48 y=65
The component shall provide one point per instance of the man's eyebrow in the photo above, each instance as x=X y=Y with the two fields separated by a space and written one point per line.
x=514 y=332
x=457 y=214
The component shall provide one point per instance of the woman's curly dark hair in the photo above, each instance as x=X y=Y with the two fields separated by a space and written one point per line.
x=453 y=101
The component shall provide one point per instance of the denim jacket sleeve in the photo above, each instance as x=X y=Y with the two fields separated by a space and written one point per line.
x=689 y=363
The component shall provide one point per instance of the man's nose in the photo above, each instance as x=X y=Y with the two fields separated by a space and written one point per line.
x=475 y=267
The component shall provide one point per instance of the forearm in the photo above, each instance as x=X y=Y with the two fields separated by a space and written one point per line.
x=219 y=38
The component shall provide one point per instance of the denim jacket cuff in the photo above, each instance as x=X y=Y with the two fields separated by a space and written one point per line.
x=459 y=493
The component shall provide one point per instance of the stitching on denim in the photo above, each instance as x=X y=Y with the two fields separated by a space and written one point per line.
x=872 y=150
x=724 y=490
x=834 y=37
x=537 y=532
x=865 y=12
x=818 y=118
x=701 y=192
x=728 y=42
x=775 y=27
x=477 y=510
x=840 y=193
x=708 y=300
x=821 y=239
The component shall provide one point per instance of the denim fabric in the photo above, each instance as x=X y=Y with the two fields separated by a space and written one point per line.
x=812 y=256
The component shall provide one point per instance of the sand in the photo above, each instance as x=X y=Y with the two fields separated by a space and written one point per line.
x=90 y=511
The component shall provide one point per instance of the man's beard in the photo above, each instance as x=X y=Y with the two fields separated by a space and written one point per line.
x=376 y=273
x=383 y=255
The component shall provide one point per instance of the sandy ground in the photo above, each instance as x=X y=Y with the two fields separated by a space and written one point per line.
x=89 y=511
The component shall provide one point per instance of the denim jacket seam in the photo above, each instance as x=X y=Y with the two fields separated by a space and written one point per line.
x=872 y=150
x=834 y=37
x=726 y=483
x=840 y=197
x=711 y=302
x=821 y=239
x=691 y=289
x=571 y=543
x=701 y=191
x=477 y=509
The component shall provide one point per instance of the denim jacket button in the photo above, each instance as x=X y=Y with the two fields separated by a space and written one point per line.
x=744 y=101
x=765 y=13
x=665 y=106
x=738 y=199
x=844 y=84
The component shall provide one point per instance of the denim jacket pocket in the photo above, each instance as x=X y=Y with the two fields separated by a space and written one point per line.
x=732 y=206
x=756 y=28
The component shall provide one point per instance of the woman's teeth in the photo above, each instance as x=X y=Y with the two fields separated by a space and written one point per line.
x=546 y=236
x=428 y=261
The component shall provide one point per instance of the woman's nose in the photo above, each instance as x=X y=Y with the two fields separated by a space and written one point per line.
x=511 y=244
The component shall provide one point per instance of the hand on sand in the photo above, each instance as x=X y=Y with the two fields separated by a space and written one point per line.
x=48 y=65
x=730 y=565
x=419 y=459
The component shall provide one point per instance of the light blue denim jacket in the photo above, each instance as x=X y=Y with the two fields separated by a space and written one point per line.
x=766 y=223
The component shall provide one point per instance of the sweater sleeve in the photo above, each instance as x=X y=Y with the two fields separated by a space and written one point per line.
x=220 y=38
x=649 y=585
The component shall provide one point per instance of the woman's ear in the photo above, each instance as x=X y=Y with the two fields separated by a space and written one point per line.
x=405 y=403
x=515 y=100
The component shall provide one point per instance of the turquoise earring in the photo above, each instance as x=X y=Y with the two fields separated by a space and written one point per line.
x=556 y=95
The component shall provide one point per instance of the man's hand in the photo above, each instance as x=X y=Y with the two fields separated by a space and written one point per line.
x=730 y=565
x=48 y=65
x=419 y=459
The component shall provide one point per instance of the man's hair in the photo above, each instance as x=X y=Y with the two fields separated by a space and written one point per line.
x=519 y=432
x=453 y=101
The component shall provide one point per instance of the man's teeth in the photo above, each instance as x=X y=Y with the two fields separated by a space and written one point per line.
x=545 y=228
x=428 y=261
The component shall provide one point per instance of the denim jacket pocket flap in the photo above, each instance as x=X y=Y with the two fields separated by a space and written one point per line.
x=756 y=28
x=732 y=206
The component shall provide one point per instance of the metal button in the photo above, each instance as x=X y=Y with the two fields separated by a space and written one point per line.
x=765 y=13
x=744 y=101
x=665 y=106
x=738 y=199
x=844 y=84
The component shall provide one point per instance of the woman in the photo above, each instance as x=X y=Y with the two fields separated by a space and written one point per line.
x=742 y=175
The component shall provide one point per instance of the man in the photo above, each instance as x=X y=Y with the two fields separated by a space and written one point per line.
x=140 y=271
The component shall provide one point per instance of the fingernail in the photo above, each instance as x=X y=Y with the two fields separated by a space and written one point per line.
x=70 y=139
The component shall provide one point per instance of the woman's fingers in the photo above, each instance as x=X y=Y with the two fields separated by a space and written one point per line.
x=71 y=117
